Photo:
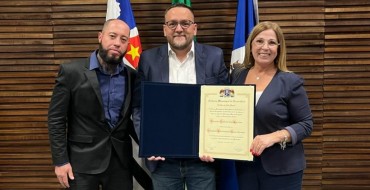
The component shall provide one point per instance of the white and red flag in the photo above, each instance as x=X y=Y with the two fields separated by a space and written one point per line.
x=121 y=9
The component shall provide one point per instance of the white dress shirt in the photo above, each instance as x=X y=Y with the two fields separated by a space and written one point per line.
x=182 y=72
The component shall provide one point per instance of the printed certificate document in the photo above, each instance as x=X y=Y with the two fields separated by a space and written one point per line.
x=226 y=121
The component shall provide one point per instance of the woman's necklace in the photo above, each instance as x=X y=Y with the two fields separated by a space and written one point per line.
x=260 y=76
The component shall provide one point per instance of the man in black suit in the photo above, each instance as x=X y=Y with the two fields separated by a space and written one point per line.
x=89 y=116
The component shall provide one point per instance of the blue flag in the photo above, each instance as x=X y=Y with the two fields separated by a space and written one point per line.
x=228 y=179
x=121 y=9
x=246 y=19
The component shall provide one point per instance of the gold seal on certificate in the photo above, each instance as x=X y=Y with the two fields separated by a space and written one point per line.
x=226 y=121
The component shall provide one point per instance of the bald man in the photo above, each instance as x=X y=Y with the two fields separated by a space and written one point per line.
x=89 y=116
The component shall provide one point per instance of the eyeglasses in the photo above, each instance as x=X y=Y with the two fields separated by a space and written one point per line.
x=172 y=24
x=270 y=43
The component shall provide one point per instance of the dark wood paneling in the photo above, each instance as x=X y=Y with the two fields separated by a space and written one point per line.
x=26 y=79
x=327 y=45
x=346 y=129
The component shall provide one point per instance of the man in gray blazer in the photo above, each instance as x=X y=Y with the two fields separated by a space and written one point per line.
x=89 y=116
x=181 y=60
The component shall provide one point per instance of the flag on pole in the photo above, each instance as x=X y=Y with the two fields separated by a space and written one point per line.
x=228 y=179
x=246 y=19
x=121 y=9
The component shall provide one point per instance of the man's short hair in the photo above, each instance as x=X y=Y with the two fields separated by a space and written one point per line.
x=179 y=5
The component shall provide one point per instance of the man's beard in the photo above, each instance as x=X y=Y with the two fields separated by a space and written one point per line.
x=180 y=45
x=111 y=60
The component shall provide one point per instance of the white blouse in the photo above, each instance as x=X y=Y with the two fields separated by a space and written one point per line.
x=258 y=95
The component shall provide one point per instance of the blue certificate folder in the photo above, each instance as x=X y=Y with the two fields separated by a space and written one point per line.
x=169 y=120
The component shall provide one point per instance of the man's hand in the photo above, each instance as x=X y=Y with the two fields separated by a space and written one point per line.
x=156 y=158
x=63 y=173
x=205 y=158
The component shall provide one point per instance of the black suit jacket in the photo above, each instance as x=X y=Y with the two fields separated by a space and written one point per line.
x=78 y=130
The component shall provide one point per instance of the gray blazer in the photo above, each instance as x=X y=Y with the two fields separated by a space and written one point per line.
x=154 y=66
x=283 y=105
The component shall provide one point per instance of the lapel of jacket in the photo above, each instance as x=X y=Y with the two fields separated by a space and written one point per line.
x=200 y=63
x=127 y=100
x=164 y=68
x=93 y=79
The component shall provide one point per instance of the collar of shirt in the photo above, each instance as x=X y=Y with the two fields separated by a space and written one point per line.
x=94 y=63
x=112 y=89
x=182 y=72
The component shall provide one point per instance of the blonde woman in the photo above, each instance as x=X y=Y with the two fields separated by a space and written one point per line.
x=282 y=114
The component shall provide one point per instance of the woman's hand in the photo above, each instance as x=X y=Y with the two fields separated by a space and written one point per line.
x=261 y=142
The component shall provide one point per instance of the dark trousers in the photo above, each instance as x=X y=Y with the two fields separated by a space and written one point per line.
x=175 y=174
x=115 y=177
x=252 y=176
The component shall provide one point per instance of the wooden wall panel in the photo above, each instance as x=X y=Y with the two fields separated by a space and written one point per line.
x=26 y=78
x=346 y=130
x=303 y=25
x=327 y=45
x=75 y=27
